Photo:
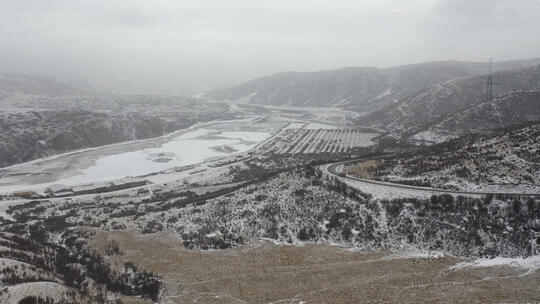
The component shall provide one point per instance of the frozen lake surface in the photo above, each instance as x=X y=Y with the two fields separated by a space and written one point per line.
x=185 y=147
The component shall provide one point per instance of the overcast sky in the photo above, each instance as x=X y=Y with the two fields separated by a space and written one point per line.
x=183 y=47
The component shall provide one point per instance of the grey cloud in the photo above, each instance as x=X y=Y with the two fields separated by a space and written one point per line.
x=479 y=15
x=166 y=46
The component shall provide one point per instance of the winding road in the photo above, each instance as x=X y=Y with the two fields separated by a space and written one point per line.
x=333 y=169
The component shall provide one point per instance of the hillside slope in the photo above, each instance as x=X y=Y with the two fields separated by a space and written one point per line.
x=34 y=270
x=503 y=111
x=506 y=160
x=455 y=100
x=363 y=89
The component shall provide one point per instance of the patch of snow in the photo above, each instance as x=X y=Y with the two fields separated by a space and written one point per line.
x=245 y=99
x=15 y=293
x=214 y=234
x=415 y=254
x=430 y=136
x=531 y=263
x=315 y=126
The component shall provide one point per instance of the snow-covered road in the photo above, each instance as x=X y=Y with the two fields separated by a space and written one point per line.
x=391 y=190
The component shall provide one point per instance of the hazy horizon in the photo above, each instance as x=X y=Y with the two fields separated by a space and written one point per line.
x=165 y=47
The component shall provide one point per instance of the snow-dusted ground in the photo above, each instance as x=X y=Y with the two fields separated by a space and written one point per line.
x=531 y=263
x=315 y=126
x=55 y=291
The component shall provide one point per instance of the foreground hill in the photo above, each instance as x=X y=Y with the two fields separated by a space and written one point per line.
x=34 y=270
x=360 y=88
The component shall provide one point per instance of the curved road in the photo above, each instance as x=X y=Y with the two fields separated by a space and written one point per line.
x=332 y=169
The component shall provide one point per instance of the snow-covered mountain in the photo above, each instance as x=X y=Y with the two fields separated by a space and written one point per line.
x=363 y=89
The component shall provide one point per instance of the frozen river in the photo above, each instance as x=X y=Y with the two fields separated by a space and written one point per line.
x=182 y=148
x=186 y=149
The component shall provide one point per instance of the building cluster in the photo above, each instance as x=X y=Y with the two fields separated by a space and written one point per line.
x=219 y=161
x=115 y=185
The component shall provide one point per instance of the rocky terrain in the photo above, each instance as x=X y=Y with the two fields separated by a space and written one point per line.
x=506 y=160
x=362 y=89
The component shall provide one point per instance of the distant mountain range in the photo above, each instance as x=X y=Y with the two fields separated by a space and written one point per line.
x=363 y=89
x=33 y=85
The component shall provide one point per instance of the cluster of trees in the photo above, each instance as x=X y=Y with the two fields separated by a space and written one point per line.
x=40 y=300
x=203 y=240
x=152 y=226
x=253 y=171
x=113 y=248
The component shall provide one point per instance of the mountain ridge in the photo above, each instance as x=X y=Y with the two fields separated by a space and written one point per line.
x=14 y=83
x=363 y=89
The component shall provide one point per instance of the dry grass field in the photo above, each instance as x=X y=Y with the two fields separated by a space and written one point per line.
x=362 y=169
x=266 y=273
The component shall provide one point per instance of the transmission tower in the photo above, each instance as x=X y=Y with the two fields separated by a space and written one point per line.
x=489 y=88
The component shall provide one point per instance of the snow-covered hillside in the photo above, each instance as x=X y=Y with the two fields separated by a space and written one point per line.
x=456 y=107
x=507 y=160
